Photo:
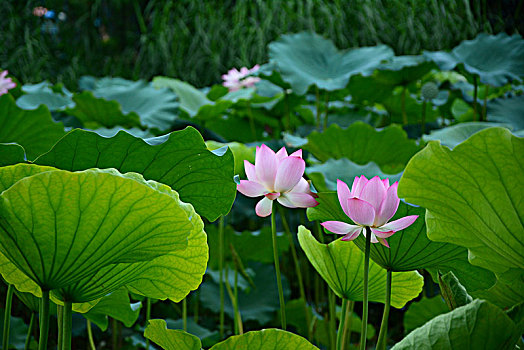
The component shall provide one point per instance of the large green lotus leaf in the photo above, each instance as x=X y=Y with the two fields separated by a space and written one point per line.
x=368 y=89
x=193 y=101
x=208 y=337
x=170 y=339
x=34 y=130
x=156 y=107
x=410 y=249
x=110 y=132
x=94 y=112
x=179 y=159
x=325 y=175
x=11 y=153
x=117 y=306
x=258 y=303
x=122 y=219
x=240 y=151
x=477 y=325
x=455 y=134
x=477 y=56
x=509 y=111
x=43 y=94
x=422 y=311
x=306 y=59
x=503 y=294
x=389 y=148
x=266 y=339
x=171 y=276
x=413 y=109
x=403 y=70
x=474 y=198
x=341 y=264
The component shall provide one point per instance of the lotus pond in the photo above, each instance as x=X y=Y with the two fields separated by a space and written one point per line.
x=326 y=199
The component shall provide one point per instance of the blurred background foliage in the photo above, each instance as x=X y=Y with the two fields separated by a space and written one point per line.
x=197 y=41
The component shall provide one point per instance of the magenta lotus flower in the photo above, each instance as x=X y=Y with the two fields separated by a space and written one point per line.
x=277 y=176
x=5 y=83
x=369 y=203
x=235 y=80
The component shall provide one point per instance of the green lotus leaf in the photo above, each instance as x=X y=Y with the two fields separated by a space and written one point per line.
x=171 y=339
x=94 y=112
x=34 y=130
x=325 y=175
x=18 y=332
x=240 y=151
x=11 y=153
x=306 y=59
x=389 y=148
x=368 y=89
x=42 y=214
x=403 y=70
x=503 y=294
x=341 y=264
x=179 y=159
x=422 y=311
x=410 y=249
x=43 y=94
x=206 y=336
x=474 y=198
x=266 y=339
x=155 y=107
x=476 y=56
x=455 y=134
x=117 y=306
x=508 y=111
x=452 y=291
x=477 y=325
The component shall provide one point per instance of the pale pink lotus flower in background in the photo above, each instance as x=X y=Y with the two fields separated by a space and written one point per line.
x=39 y=11
x=277 y=176
x=5 y=83
x=235 y=79
x=369 y=203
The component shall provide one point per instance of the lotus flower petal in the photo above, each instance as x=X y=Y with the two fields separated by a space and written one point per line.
x=281 y=154
x=373 y=193
x=289 y=173
x=358 y=185
x=343 y=195
x=386 y=183
x=296 y=154
x=389 y=206
x=302 y=187
x=339 y=227
x=373 y=237
x=383 y=242
x=382 y=234
x=399 y=224
x=250 y=171
x=297 y=200
x=266 y=166
x=264 y=207
x=361 y=212
x=251 y=188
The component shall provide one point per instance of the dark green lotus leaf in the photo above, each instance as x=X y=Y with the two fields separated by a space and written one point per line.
x=266 y=339
x=474 y=198
x=34 y=130
x=306 y=59
x=508 y=111
x=107 y=207
x=325 y=175
x=143 y=134
x=422 y=311
x=341 y=265
x=477 y=325
x=11 y=153
x=455 y=134
x=208 y=337
x=170 y=339
x=389 y=148
x=410 y=249
x=117 y=306
x=179 y=159
x=368 y=89
x=403 y=70
x=155 y=107
x=497 y=59
x=94 y=112
x=240 y=151
x=503 y=294
x=18 y=332
x=43 y=94
x=413 y=108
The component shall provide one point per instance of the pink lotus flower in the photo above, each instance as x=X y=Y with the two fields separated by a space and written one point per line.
x=5 y=83
x=277 y=176
x=369 y=203
x=235 y=80
x=39 y=11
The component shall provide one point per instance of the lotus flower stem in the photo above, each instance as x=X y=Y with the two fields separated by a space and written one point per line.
x=342 y=325
x=148 y=317
x=233 y=295
x=277 y=270
x=475 y=94
x=332 y=319
x=184 y=314
x=44 y=320
x=7 y=316
x=383 y=335
x=298 y=270
x=67 y=326
x=349 y=320
x=403 y=106
x=363 y=332
x=29 y=331
x=221 y=268
x=60 y=325
x=485 y=107
x=90 y=335
x=115 y=334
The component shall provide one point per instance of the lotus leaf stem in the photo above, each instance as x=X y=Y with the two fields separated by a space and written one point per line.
x=475 y=94
x=60 y=325
x=7 y=317
x=383 y=335
x=363 y=332
x=277 y=270
x=403 y=106
x=148 y=317
x=90 y=335
x=485 y=107
x=29 y=331
x=221 y=272
x=342 y=325
x=332 y=318
x=184 y=314
x=44 y=320
x=327 y=111
x=67 y=325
